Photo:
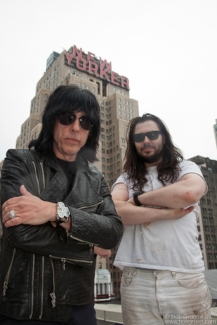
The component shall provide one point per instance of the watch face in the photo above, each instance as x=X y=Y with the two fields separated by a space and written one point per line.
x=66 y=212
x=62 y=210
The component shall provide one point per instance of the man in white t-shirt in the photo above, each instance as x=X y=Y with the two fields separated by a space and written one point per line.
x=157 y=199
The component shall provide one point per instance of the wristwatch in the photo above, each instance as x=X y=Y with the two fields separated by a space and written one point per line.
x=62 y=213
x=135 y=197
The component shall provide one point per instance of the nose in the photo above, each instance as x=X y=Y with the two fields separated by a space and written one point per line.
x=146 y=139
x=75 y=126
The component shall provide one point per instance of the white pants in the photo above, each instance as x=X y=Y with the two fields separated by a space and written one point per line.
x=155 y=297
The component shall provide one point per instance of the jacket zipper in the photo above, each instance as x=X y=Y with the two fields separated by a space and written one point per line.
x=53 y=294
x=5 y=285
x=32 y=286
x=42 y=260
x=83 y=241
x=42 y=287
x=64 y=260
x=36 y=176
x=43 y=177
x=90 y=206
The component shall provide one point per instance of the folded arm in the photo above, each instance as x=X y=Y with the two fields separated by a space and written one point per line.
x=187 y=191
x=133 y=215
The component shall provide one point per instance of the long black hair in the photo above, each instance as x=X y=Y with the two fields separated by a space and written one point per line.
x=69 y=99
x=168 y=168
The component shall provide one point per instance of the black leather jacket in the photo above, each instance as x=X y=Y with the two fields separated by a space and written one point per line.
x=44 y=271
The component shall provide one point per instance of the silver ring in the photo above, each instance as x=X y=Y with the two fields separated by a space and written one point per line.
x=12 y=214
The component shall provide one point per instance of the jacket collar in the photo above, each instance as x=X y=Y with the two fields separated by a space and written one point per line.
x=53 y=163
x=82 y=192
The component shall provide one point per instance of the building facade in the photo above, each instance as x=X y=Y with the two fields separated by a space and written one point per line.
x=116 y=109
x=207 y=225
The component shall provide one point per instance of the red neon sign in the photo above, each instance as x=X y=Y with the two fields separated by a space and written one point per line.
x=99 y=68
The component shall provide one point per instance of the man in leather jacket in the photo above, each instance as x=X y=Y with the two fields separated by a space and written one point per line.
x=56 y=211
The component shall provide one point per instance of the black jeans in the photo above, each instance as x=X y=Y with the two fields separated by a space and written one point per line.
x=81 y=315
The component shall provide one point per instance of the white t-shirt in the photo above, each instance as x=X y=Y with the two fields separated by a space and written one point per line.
x=164 y=244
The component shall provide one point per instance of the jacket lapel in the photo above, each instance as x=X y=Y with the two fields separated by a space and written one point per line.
x=56 y=187
x=82 y=193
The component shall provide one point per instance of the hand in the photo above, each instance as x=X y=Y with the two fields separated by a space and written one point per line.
x=66 y=225
x=29 y=209
x=102 y=252
x=179 y=213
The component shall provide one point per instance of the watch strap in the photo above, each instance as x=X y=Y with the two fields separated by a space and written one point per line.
x=135 y=198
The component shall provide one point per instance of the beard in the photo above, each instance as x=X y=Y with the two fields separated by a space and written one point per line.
x=152 y=158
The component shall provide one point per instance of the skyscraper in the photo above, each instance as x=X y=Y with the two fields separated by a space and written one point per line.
x=207 y=226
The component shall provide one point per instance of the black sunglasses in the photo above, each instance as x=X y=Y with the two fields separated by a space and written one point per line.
x=152 y=135
x=69 y=118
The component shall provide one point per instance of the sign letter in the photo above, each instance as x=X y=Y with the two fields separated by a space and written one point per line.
x=81 y=63
x=93 y=68
x=125 y=82
x=104 y=68
x=74 y=53
x=114 y=78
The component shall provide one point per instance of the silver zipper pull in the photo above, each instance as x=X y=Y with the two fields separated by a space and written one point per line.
x=91 y=248
x=63 y=260
x=53 y=300
x=5 y=286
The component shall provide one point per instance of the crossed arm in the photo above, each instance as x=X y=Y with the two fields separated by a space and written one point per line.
x=175 y=201
x=25 y=203
x=46 y=210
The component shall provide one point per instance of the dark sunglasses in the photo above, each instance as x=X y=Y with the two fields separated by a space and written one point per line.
x=152 y=135
x=69 y=118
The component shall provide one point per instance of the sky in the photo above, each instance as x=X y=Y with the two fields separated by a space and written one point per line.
x=166 y=48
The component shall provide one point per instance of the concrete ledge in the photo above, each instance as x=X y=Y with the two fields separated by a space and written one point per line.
x=109 y=313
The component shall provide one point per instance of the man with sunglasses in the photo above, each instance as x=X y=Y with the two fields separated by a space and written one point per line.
x=157 y=199
x=56 y=212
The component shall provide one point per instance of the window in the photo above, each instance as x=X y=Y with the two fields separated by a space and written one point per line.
x=208 y=202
